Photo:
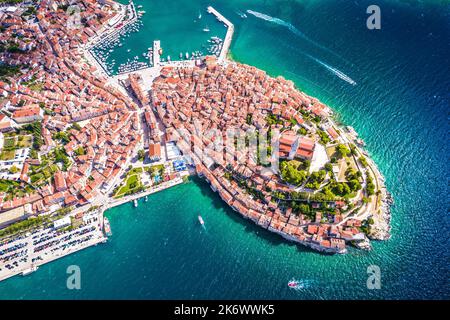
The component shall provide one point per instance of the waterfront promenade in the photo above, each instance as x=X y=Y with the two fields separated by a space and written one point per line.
x=165 y=185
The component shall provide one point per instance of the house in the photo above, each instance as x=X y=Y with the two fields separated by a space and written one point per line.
x=154 y=151
x=28 y=114
x=5 y=123
x=60 y=182
x=305 y=148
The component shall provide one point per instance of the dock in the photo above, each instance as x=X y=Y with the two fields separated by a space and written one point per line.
x=228 y=36
x=156 y=53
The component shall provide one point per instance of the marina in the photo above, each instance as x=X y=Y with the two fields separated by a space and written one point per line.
x=100 y=49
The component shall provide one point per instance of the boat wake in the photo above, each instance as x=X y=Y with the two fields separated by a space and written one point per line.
x=333 y=70
x=280 y=22
x=299 y=285
x=292 y=28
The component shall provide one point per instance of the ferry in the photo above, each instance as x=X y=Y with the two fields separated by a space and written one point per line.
x=29 y=270
x=106 y=226
x=135 y=203
x=200 y=219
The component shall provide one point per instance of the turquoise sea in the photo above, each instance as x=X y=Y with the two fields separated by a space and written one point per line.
x=400 y=107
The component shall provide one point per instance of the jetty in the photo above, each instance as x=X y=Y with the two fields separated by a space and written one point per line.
x=156 y=53
x=228 y=36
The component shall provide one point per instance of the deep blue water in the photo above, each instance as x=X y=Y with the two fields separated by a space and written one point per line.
x=400 y=107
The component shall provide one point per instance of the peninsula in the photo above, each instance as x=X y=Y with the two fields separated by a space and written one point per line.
x=76 y=140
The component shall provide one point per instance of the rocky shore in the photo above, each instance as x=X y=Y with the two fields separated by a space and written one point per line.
x=381 y=228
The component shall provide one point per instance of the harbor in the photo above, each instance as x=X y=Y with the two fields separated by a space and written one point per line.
x=99 y=49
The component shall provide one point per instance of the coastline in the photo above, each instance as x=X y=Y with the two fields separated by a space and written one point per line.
x=381 y=227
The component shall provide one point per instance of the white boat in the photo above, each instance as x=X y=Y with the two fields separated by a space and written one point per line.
x=200 y=219
x=187 y=55
x=29 y=270
x=146 y=199
x=135 y=203
x=206 y=29
x=106 y=226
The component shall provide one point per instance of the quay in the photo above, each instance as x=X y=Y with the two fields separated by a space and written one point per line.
x=25 y=253
x=161 y=187
x=228 y=36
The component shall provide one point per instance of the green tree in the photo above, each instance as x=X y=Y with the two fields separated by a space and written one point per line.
x=141 y=155
x=342 y=150
x=291 y=174
x=79 y=151
x=13 y=170
x=363 y=161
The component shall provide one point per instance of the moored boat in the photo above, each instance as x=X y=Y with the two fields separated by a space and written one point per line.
x=32 y=269
x=106 y=226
